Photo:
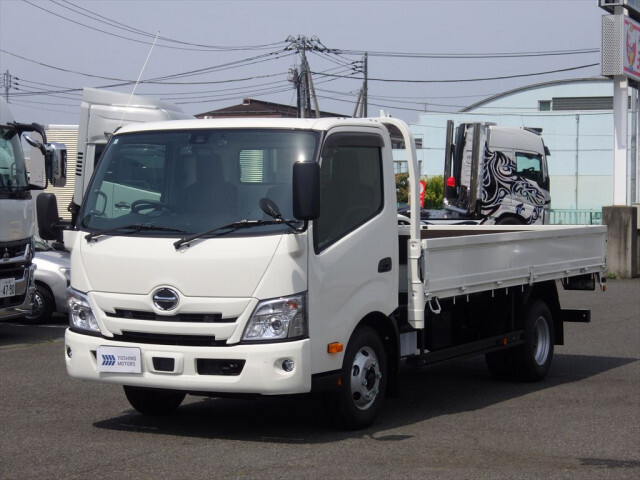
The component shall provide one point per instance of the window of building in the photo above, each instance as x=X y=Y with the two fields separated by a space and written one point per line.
x=544 y=105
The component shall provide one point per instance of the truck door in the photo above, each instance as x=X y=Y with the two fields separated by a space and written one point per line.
x=351 y=271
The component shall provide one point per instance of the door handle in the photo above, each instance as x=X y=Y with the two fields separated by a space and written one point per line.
x=384 y=265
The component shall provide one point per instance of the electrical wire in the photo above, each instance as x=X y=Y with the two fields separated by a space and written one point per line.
x=461 y=80
x=140 y=32
x=116 y=24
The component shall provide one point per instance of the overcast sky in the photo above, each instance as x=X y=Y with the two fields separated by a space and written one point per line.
x=423 y=54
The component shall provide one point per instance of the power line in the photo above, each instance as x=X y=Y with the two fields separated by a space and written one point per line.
x=163 y=80
x=115 y=24
x=460 y=80
x=455 y=56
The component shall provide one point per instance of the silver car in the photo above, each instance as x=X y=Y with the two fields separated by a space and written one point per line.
x=52 y=279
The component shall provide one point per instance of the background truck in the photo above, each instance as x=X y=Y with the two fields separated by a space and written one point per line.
x=493 y=175
x=264 y=257
x=17 y=220
x=102 y=112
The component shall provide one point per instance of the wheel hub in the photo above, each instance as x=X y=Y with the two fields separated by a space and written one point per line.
x=541 y=341
x=365 y=378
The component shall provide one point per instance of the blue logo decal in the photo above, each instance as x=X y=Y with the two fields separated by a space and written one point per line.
x=108 y=360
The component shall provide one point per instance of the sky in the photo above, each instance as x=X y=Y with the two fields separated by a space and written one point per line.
x=423 y=55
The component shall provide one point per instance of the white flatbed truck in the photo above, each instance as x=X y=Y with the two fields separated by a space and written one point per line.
x=263 y=256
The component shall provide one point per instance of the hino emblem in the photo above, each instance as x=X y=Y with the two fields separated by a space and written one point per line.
x=165 y=299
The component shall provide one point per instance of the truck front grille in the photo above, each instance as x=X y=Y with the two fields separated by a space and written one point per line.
x=15 y=250
x=169 y=339
x=181 y=317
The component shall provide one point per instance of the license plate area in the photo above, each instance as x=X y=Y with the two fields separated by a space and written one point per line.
x=119 y=359
x=7 y=287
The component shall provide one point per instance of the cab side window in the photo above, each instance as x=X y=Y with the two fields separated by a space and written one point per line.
x=351 y=190
x=529 y=166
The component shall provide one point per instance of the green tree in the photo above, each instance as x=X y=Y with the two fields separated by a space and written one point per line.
x=402 y=188
x=432 y=194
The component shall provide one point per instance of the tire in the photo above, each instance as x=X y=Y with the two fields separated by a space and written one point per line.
x=537 y=351
x=43 y=306
x=529 y=362
x=365 y=380
x=153 y=401
x=510 y=221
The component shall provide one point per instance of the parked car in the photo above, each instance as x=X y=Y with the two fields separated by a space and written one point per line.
x=52 y=280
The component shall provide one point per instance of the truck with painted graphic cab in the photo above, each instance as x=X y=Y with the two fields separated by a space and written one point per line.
x=493 y=175
x=264 y=257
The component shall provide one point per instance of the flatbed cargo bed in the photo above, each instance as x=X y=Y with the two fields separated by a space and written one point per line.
x=464 y=259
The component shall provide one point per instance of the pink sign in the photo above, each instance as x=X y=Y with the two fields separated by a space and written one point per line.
x=631 y=52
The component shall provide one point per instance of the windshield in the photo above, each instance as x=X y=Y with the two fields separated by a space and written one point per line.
x=194 y=180
x=13 y=172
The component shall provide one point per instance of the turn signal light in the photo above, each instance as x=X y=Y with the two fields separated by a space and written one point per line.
x=335 y=347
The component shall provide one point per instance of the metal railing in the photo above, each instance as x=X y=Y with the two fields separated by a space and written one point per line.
x=575 y=217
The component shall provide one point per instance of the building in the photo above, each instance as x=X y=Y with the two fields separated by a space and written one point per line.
x=68 y=135
x=257 y=108
x=576 y=117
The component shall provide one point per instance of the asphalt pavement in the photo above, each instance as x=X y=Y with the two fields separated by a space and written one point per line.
x=450 y=421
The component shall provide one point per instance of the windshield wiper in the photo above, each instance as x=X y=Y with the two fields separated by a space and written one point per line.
x=134 y=226
x=229 y=226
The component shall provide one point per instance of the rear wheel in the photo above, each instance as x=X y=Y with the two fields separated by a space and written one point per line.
x=531 y=360
x=537 y=351
x=365 y=380
x=509 y=220
x=153 y=401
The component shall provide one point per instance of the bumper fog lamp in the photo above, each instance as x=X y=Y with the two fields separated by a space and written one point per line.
x=288 y=365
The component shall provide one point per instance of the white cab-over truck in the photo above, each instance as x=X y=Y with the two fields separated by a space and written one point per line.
x=17 y=219
x=263 y=256
x=102 y=112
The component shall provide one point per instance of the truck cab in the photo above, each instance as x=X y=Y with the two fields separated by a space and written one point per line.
x=496 y=175
x=17 y=227
x=102 y=112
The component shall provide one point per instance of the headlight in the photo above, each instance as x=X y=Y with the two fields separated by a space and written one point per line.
x=66 y=271
x=278 y=319
x=80 y=313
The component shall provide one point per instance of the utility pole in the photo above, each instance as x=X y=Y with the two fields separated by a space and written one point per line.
x=365 y=86
x=7 y=84
x=294 y=77
x=355 y=109
x=306 y=91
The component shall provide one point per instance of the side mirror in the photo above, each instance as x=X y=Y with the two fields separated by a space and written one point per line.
x=48 y=218
x=306 y=190
x=55 y=160
x=56 y=163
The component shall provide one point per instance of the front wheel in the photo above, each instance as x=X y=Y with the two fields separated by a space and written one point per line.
x=43 y=306
x=153 y=401
x=364 y=380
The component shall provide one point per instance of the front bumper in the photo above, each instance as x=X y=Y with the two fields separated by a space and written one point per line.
x=262 y=372
x=22 y=303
